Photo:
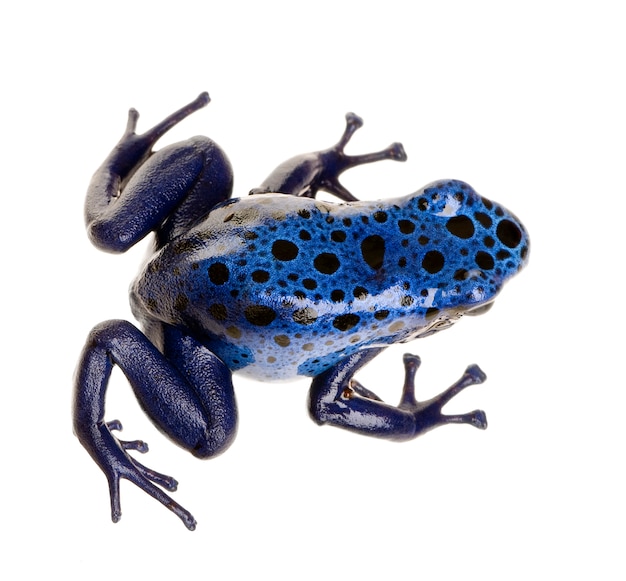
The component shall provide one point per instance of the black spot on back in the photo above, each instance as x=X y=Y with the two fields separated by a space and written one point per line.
x=484 y=219
x=181 y=302
x=373 y=251
x=218 y=273
x=484 y=260
x=346 y=322
x=460 y=226
x=360 y=292
x=406 y=226
x=260 y=276
x=326 y=263
x=284 y=250
x=509 y=233
x=433 y=261
x=503 y=254
x=337 y=296
x=218 y=312
x=259 y=315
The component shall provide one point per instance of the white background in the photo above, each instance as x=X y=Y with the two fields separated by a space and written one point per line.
x=525 y=101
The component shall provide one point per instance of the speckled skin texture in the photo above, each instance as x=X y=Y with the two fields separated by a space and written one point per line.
x=275 y=285
x=279 y=286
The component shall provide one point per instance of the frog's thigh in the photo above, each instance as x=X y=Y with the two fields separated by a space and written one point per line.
x=184 y=180
x=211 y=382
x=194 y=407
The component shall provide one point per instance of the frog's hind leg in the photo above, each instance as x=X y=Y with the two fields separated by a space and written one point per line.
x=337 y=399
x=136 y=191
x=304 y=175
x=187 y=393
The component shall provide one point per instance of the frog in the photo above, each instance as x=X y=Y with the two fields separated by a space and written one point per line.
x=275 y=285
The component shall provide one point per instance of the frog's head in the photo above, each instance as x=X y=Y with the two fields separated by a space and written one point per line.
x=472 y=246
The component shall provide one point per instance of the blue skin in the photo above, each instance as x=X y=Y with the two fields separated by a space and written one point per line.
x=276 y=285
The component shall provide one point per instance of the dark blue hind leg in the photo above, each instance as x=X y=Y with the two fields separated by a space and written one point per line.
x=304 y=175
x=187 y=393
x=336 y=398
x=136 y=191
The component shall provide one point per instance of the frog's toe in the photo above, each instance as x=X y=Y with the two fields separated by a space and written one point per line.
x=137 y=445
x=478 y=419
x=114 y=493
x=476 y=373
x=396 y=152
x=162 y=480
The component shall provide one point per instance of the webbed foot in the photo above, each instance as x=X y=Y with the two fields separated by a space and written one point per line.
x=111 y=454
x=336 y=161
x=134 y=147
x=304 y=175
x=428 y=414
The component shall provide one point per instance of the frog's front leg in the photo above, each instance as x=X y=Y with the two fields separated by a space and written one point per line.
x=304 y=175
x=335 y=397
x=187 y=392
x=136 y=191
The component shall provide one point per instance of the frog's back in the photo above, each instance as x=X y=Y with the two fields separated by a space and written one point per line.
x=279 y=286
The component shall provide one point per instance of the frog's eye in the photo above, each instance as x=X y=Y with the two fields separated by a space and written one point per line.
x=480 y=310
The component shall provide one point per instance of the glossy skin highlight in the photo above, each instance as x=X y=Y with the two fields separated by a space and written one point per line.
x=275 y=285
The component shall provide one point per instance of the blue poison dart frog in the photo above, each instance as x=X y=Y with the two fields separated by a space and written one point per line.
x=275 y=285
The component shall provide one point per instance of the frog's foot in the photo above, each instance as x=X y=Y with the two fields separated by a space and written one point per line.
x=335 y=161
x=153 y=134
x=428 y=414
x=111 y=455
x=304 y=175
x=337 y=398
x=353 y=122
x=133 y=148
